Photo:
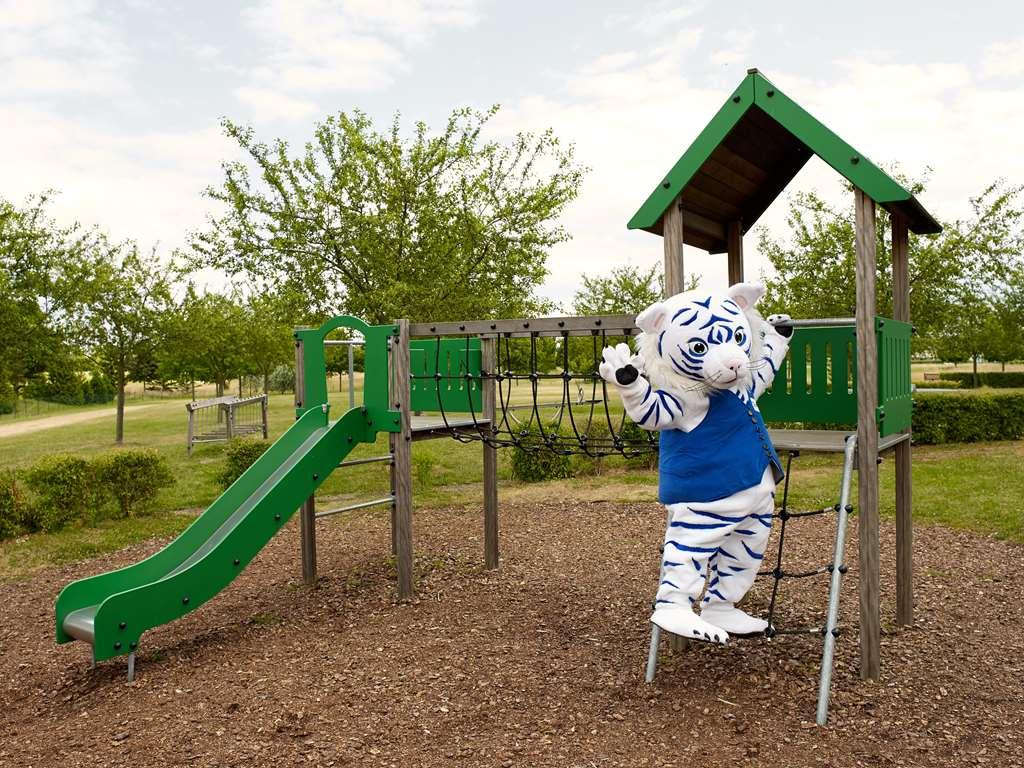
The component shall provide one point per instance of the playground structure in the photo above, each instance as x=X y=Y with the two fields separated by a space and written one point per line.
x=840 y=370
x=221 y=419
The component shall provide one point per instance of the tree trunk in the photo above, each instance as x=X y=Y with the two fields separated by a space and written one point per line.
x=266 y=383
x=239 y=386
x=974 y=358
x=119 y=421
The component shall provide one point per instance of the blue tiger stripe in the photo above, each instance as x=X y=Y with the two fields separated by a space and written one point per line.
x=669 y=583
x=751 y=552
x=697 y=526
x=690 y=548
x=716 y=516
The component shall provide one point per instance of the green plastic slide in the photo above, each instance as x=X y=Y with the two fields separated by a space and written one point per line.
x=112 y=610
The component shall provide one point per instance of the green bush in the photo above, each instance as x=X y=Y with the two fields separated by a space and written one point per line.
x=98 y=389
x=132 y=478
x=65 y=492
x=633 y=433
x=955 y=418
x=944 y=384
x=996 y=379
x=241 y=455
x=534 y=462
x=8 y=400
x=282 y=379
x=12 y=506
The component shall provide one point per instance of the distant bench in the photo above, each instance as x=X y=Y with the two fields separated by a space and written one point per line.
x=932 y=376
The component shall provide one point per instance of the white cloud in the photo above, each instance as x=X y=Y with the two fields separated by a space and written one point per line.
x=317 y=46
x=274 y=105
x=53 y=46
x=737 y=49
x=1004 y=59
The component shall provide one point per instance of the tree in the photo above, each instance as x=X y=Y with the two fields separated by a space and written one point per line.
x=36 y=298
x=123 y=295
x=267 y=341
x=971 y=260
x=437 y=226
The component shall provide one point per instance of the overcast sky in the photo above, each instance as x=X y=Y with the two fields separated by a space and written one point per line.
x=116 y=104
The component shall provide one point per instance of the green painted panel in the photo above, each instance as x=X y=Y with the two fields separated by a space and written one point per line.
x=815 y=382
x=679 y=176
x=457 y=389
x=818 y=380
x=895 y=403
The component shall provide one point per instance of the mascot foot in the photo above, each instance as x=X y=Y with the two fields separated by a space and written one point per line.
x=730 y=618
x=685 y=623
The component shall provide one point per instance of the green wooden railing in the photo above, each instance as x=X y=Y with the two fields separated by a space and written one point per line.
x=817 y=383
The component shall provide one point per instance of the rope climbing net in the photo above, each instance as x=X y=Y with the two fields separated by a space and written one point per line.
x=559 y=404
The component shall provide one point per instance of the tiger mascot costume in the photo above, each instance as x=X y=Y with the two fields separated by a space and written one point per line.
x=702 y=361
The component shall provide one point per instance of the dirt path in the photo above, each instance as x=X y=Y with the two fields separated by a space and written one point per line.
x=537 y=664
x=64 y=419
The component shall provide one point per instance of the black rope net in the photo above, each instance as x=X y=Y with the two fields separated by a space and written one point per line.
x=581 y=419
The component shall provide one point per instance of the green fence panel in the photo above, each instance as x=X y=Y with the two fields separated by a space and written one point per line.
x=894 y=387
x=817 y=382
x=457 y=389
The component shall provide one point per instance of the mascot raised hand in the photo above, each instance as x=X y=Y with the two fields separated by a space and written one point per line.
x=702 y=361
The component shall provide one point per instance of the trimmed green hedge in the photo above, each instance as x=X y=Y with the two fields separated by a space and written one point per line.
x=241 y=454
x=996 y=379
x=955 y=418
x=65 y=490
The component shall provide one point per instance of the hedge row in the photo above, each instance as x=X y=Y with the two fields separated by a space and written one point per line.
x=62 y=490
x=967 y=418
x=997 y=379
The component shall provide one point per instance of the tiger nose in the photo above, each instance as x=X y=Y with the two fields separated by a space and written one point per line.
x=735 y=364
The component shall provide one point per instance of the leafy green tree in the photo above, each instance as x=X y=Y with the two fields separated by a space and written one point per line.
x=439 y=225
x=267 y=340
x=123 y=296
x=960 y=269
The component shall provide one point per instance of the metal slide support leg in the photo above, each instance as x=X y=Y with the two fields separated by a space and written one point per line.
x=828 y=654
x=131 y=666
x=652 y=651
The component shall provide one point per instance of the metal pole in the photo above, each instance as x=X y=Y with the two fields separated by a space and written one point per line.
x=835 y=582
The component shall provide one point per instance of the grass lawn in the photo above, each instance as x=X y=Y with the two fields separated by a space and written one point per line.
x=973 y=486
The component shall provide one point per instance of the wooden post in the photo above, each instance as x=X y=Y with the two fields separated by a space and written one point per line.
x=735 y=245
x=263 y=414
x=488 y=362
x=401 y=464
x=672 y=242
x=904 y=489
x=191 y=426
x=307 y=512
x=867 y=439
x=229 y=420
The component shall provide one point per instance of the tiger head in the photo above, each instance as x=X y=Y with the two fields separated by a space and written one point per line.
x=700 y=341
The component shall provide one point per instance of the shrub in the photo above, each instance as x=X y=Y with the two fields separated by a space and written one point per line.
x=241 y=455
x=98 y=389
x=633 y=433
x=944 y=384
x=534 y=462
x=132 y=478
x=65 y=492
x=12 y=506
x=955 y=418
x=8 y=399
x=282 y=379
x=996 y=379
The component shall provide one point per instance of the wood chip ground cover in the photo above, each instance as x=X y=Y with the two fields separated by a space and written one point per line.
x=537 y=664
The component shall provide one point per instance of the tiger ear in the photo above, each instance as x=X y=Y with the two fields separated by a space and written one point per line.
x=746 y=295
x=653 y=319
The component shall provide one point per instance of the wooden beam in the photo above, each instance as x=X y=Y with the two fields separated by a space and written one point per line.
x=867 y=439
x=488 y=362
x=695 y=222
x=672 y=243
x=307 y=512
x=401 y=466
x=735 y=245
x=902 y=458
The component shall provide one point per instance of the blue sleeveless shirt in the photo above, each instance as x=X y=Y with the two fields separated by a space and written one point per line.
x=726 y=453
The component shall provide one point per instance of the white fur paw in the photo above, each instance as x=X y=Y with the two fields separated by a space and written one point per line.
x=685 y=623
x=615 y=358
x=732 y=619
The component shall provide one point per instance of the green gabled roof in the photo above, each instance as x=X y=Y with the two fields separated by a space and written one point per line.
x=743 y=159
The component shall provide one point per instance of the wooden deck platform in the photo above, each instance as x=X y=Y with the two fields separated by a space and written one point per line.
x=822 y=440
x=433 y=426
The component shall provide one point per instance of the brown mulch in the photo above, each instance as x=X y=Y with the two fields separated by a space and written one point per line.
x=538 y=664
